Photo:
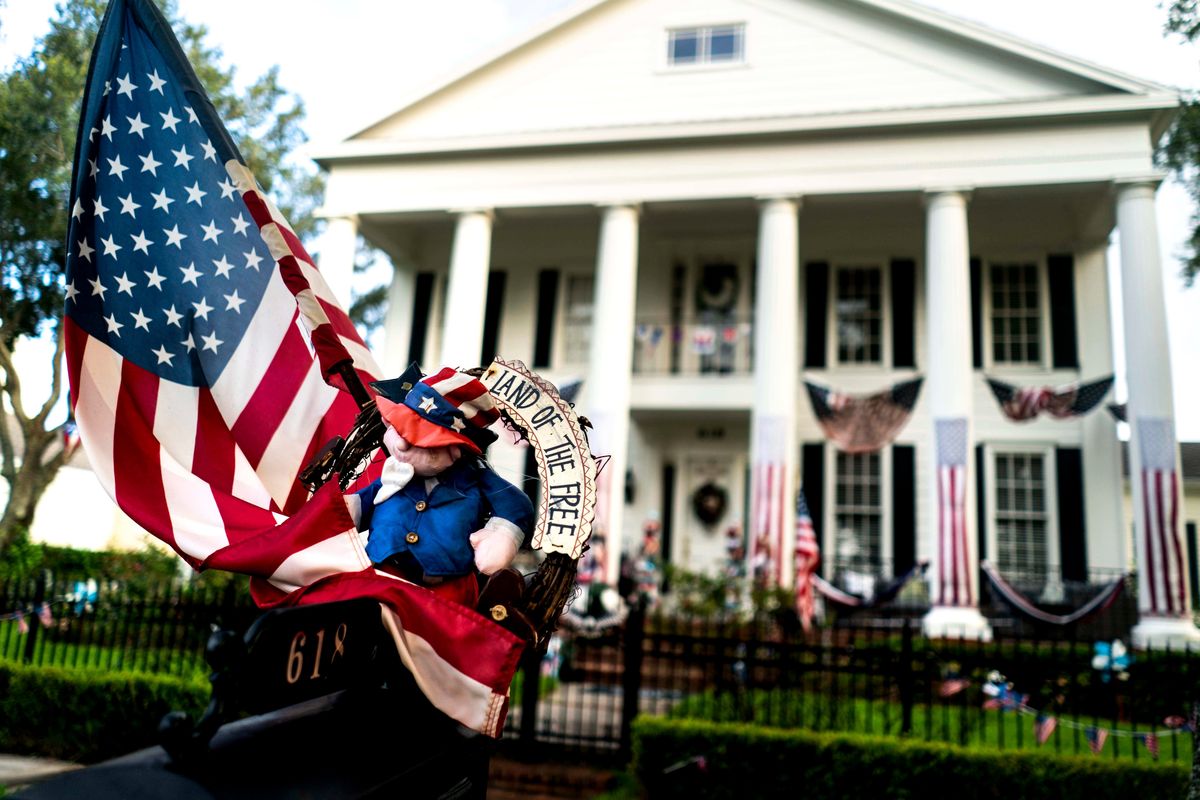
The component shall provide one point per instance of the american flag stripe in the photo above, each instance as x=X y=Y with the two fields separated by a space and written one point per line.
x=955 y=585
x=288 y=368
x=1166 y=576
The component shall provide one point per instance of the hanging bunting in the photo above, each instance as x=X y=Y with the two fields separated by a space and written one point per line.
x=863 y=424
x=952 y=686
x=1021 y=604
x=22 y=625
x=1119 y=411
x=1024 y=403
x=44 y=615
x=881 y=598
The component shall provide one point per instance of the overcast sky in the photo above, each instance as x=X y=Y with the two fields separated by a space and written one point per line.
x=325 y=47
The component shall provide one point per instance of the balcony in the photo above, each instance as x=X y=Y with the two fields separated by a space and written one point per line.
x=721 y=346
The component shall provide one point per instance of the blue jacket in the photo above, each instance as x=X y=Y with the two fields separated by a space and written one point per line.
x=467 y=494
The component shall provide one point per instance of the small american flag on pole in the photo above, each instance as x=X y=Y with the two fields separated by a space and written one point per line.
x=1165 y=567
x=808 y=556
x=201 y=342
x=954 y=564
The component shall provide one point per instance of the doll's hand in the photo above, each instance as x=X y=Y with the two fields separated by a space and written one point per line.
x=495 y=545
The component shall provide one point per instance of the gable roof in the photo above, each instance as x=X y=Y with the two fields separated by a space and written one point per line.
x=1097 y=89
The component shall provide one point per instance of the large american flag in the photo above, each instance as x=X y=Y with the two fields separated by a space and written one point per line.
x=770 y=495
x=954 y=564
x=808 y=557
x=199 y=339
x=1165 y=567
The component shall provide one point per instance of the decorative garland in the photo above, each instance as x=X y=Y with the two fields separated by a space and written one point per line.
x=1100 y=603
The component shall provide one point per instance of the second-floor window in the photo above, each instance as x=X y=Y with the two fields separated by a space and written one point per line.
x=858 y=309
x=1016 y=324
x=709 y=44
x=858 y=514
x=578 y=296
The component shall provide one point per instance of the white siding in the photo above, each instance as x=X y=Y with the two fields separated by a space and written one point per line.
x=607 y=69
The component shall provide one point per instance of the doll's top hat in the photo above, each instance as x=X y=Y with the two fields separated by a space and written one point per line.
x=446 y=408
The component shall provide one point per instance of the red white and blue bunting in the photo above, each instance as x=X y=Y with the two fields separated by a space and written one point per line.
x=1101 y=602
x=867 y=423
x=1026 y=403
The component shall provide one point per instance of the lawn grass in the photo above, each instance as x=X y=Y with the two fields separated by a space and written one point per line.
x=962 y=723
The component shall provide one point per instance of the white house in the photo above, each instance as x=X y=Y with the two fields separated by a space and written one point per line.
x=691 y=205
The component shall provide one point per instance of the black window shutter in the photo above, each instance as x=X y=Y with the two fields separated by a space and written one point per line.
x=816 y=297
x=904 y=507
x=980 y=503
x=812 y=476
x=1193 y=569
x=903 y=304
x=1061 y=274
x=1072 y=546
x=491 y=316
x=976 y=313
x=422 y=300
x=547 y=302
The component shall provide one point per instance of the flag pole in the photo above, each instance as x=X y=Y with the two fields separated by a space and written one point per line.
x=354 y=384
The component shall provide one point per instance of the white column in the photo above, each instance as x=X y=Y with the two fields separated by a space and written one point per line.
x=949 y=393
x=1164 y=605
x=397 y=320
x=1106 y=534
x=608 y=383
x=466 y=292
x=339 y=243
x=773 y=445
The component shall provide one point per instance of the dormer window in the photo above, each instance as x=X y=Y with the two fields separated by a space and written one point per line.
x=710 y=44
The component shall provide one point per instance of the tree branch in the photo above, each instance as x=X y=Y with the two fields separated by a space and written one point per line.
x=12 y=383
x=55 y=376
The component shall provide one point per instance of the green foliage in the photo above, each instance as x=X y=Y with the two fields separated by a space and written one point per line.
x=87 y=716
x=964 y=723
x=745 y=761
x=1180 y=149
x=702 y=596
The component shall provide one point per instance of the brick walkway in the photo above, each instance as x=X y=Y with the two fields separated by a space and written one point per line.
x=516 y=780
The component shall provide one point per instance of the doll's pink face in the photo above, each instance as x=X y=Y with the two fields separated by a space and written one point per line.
x=426 y=461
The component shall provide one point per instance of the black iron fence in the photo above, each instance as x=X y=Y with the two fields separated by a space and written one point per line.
x=1075 y=688
x=68 y=621
x=1063 y=694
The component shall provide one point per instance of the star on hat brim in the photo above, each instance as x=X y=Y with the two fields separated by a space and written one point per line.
x=420 y=431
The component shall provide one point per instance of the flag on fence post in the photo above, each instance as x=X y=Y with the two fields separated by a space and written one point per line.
x=203 y=350
x=808 y=556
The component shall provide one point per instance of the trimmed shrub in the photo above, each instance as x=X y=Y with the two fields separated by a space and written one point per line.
x=742 y=762
x=87 y=716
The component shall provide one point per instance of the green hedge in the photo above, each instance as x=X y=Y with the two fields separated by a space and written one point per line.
x=86 y=716
x=743 y=762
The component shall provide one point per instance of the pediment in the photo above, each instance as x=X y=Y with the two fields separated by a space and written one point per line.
x=605 y=68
